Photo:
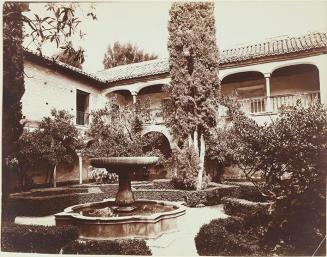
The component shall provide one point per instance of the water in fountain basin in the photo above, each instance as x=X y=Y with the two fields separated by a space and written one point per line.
x=108 y=210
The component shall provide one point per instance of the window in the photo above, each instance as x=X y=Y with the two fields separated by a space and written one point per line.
x=82 y=107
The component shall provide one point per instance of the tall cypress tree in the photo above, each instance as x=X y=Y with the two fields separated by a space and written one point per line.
x=194 y=86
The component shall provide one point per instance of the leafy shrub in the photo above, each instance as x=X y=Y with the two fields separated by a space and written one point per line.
x=54 y=142
x=290 y=153
x=117 y=131
x=36 y=239
x=231 y=236
x=109 y=247
x=103 y=176
x=183 y=167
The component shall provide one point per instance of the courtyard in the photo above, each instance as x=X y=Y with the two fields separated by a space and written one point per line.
x=201 y=147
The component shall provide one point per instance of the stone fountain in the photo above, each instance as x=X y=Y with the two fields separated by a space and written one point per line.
x=124 y=217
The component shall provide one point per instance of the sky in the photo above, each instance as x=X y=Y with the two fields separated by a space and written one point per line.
x=237 y=23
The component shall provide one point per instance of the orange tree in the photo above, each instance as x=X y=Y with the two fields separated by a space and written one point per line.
x=116 y=131
x=291 y=155
x=54 y=142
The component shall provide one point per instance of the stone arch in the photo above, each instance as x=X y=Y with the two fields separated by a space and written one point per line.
x=232 y=72
x=293 y=63
x=244 y=84
x=161 y=129
x=144 y=87
x=163 y=143
x=123 y=95
x=294 y=78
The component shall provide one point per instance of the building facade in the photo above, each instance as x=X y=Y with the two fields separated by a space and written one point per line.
x=265 y=76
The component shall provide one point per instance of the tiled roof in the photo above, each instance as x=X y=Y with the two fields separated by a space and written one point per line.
x=135 y=70
x=250 y=52
x=270 y=48
x=275 y=47
x=51 y=60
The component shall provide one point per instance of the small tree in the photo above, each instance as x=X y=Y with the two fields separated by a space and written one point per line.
x=116 y=131
x=193 y=60
x=54 y=142
x=120 y=54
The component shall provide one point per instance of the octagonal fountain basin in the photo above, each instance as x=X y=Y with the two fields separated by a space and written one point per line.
x=102 y=220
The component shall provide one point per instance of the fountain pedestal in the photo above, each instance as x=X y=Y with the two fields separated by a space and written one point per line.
x=123 y=166
x=125 y=196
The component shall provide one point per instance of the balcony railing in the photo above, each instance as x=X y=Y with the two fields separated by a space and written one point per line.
x=261 y=104
x=254 y=105
x=82 y=118
x=154 y=116
x=290 y=99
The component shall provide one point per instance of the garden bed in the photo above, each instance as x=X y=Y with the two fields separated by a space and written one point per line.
x=50 y=201
x=36 y=239
x=108 y=247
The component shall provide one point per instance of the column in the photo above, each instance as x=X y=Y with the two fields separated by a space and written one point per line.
x=80 y=165
x=267 y=78
x=134 y=95
x=322 y=67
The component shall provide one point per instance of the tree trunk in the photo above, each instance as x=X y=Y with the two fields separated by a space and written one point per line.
x=201 y=164
x=196 y=141
x=55 y=176
x=190 y=140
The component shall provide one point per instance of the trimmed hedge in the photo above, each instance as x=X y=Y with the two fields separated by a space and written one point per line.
x=36 y=239
x=245 y=209
x=208 y=196
x=231 y=236
x=46 y=205
x=108 y=247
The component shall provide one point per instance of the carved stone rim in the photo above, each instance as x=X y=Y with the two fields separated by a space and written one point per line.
x=69 y=213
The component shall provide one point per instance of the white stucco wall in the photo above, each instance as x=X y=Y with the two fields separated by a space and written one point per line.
x=46 y=89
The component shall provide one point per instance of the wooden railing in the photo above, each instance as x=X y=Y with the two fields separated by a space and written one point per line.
x=306 y=98
x=260 y=104
x=257 y=105
x=254 y=105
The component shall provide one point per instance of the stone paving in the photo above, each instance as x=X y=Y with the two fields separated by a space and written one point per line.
x=182 y=243
x=179 y=243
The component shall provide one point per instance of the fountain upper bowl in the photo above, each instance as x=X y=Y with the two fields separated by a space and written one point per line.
x=117 y=162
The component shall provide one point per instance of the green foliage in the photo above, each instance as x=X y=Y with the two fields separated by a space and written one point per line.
x=13 y=87
x=71 y=56
x=290 y=154
x=183 y=167
x=193 y=60
x=220 y=151
x=108 y=247
x=54 y=142
x=115 y=131
x=36 y=239
x=103 y=176
x=120 y=54
x=228 y=237
x=58 y=25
